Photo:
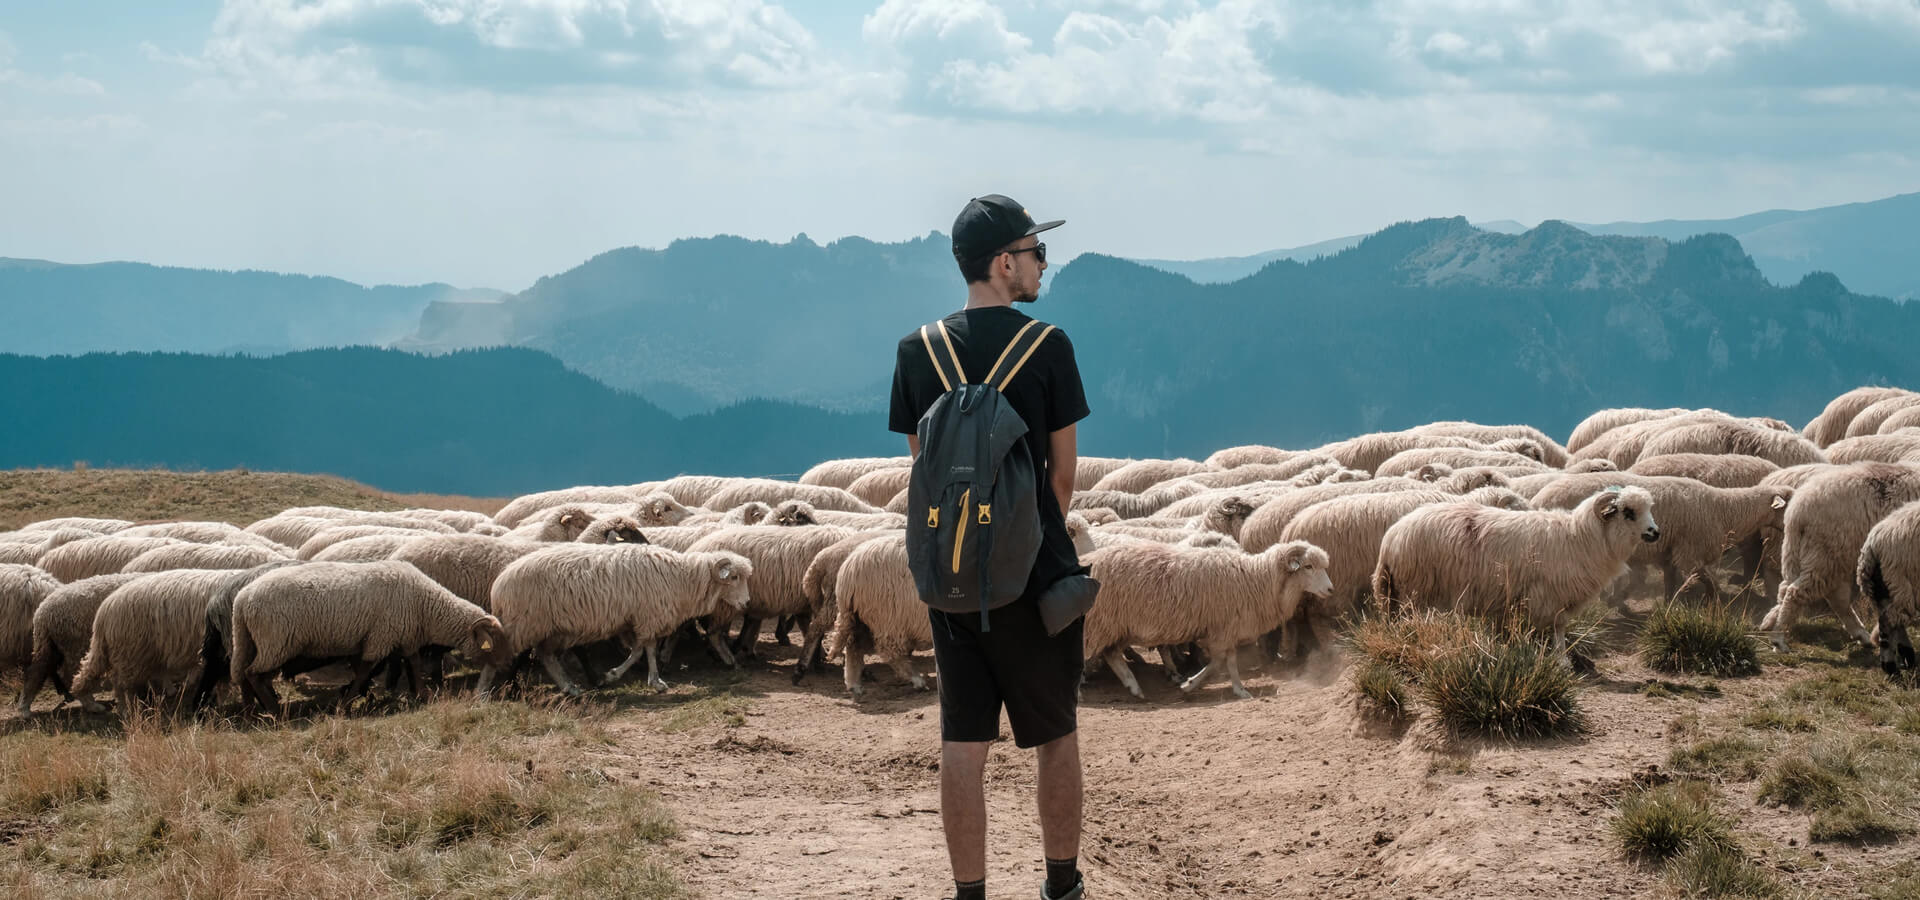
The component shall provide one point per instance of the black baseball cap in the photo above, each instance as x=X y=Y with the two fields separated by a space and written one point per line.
x=991 y=222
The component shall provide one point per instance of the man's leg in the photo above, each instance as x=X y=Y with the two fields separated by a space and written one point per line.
x=1060 y=798
x=963 y=806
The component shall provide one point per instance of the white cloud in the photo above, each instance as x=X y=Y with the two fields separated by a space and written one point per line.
x=1902 y=13
x=958 y=27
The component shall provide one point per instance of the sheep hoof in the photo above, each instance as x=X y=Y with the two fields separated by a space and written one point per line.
x=1137 y=693
x=1242 y=693
x=658 y=684
x=1779 y=645
x=1189 y=686
x=919 y=683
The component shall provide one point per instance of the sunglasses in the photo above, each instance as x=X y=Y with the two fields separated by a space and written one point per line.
x=1039 y=252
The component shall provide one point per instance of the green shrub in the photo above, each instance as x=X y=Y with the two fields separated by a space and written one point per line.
x=1381 y=689
x=1698 y=640
x=1504 y=687
x=1714 y=870
x=1662 y=822
x=1731 y=757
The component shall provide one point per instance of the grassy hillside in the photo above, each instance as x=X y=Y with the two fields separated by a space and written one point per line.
x=237 y=496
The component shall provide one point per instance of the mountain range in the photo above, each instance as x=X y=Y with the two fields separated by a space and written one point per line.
x=1871 y=246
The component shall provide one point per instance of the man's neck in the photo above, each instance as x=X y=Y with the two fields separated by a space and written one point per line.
x=984 y=295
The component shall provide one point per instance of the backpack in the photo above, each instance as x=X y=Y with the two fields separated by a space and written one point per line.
x=973 y=510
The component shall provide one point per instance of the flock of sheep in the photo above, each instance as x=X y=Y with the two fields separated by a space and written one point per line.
x=1196 y=558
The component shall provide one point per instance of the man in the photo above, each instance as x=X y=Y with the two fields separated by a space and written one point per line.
x=1012 y=663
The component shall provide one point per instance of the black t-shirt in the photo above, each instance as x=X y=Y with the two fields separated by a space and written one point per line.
x=1047 y=394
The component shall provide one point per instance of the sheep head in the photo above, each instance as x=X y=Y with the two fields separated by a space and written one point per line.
x=1596 y=464
x=1306 y=562
x=617 y=530
x=572 y=520
x=730 y=573
x=659 y=508
x=1473 y=478
x=487 y=643
x=1433 y=471
x=1631 y=507
x=753 y=512
x=794 y=513
x=1211 y=540
x=1527 y=447
x=1499 y=498
x=1080 y=531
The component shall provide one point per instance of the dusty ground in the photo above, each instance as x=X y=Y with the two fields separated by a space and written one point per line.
x=803 y=793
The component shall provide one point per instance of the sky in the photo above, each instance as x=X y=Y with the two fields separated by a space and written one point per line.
x=486 y=143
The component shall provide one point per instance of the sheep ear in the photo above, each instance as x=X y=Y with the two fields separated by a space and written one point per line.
x=1779 y=503
x=724 y=570
x=1610 y=508
x=1293 y=565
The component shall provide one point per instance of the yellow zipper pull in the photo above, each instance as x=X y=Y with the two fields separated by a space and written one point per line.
x=933 y=517
x=986 y=514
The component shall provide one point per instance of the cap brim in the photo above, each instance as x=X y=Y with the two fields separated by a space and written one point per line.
x=1044 y=226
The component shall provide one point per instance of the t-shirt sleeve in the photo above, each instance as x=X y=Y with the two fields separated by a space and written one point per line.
x=903 y=416
x=1066 y=398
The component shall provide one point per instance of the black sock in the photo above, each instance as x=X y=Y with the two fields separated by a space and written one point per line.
x=970 y=890
x=1062 y=875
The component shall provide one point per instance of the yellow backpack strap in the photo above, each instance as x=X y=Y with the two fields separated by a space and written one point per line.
x=947 y=339
x=933 y=356
x=1028 y=338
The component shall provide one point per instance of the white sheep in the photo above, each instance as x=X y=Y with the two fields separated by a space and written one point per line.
x=1156 y=595
x=1888 y=574
x=370 y=548
x=1263 y=528
x=332 y=536
x=197 y=533
x=559 y=524
x=1551 y=452
x=1490 y=562
x=1592 y=427
x=62 y=628
x=561 y=597
x=22 y=590
x=1874 y=447
x=1826 y=526
x=294 y=530
x=516 y=512
x=463 y=521
x=24 y=547
x=1255 y=472
x=1088 y=470
x=96 y=556
x=820 y=585
x=1908 y=418
x=800 y=512
x=363 y=612
x=750 y=513
x=879 y=486
x=202 y=556
x=1407 y=461
x=1719 y=470
x=776 y=492
x=1140 y=475
x=681 y=537
x=1134 y=506
x=880 y=612
x=1870 y=418
x=613 y=530
x=97 y=526
x=1782 y=448
x=780 y=556
x=842 y=473
x=1831 y=424
x=1698 y=522
x=1248 y=455
x=147 y=635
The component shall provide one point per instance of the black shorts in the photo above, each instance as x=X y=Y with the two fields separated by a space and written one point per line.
x=1013 y=664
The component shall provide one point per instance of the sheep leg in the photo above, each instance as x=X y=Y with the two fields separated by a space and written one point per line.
x=855 y=664
x=1753 y=554
x=781 y=626
x=641 y=647
x=362 y=681
x=744 y=645
x=717 y=641
x=1200 y=678
x=43 y=666
x=1117 y=661
x=414 y=672
x=557 y=672
x=1233 y=672
x=579 y=654
x=904 y=668
x=1785 y=611
x=653 y=669
x=486 y=682
x=1170 y=662
x=1840 y=601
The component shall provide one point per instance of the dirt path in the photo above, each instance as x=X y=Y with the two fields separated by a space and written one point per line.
x=1285 y=795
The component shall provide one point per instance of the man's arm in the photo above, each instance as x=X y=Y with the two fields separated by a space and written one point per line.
x=913 y=445
x=1064 y=459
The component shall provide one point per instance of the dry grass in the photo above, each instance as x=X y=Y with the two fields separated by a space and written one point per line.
x=453 y=798
x=1475 y=680
x=237 y=496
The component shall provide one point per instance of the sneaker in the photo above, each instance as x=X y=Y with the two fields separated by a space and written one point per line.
x=1077 y=892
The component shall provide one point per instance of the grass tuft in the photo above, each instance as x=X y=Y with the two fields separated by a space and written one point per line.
x=1698 y=640
x=1733 y=758
x=1381 y=689
x=1504 y=688
x=1660 y=823
x=1714 y=870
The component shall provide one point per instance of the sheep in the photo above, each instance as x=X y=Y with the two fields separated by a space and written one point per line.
x=1407 y=461
x=695 y=490
x=1622 y=445
x=1159 y=594
x=1599 y=423
x=1826 y=526
x=148 y=634
x=1140 y=475
x=488 y=529
x=1350 y=529
x=657 y=509
x=1134 y=506
x=1831 y=424
x=332 y=536
x=1263 y=528
x=1329 y=473
x=780 y=557
x=97 y=526
x=879 y=486
x=463 y=521
x=1598 y=464
x=1088 y=470
x=880 y=611
x=322 y=512
x=559 y=524
x=1903 y=419
x=1367 y=451
x=295 y=530
x=24 y=547
x=1098 y=515
x=1719 y=470
x=750 y=513
x=1888 y=574
x=1783 y=448
x=1477 y=560
x=613 y=530
x=201 y=556
x=216 y=646
x=560 y=597
x=776 y=492
x=96 y=556
x=516 y=512
x=800 y=512
x=22 y=589
x=842 y=473
x=1551 y=453
x=365 y=612
x=465 y=564
x=370 y=548
x=1250 y=454
x=1870 y=419
x=194 y=532
x=1253 y=472
x=1874 y=447
x=1698 y=522
x=820 y=586
x=62 y=628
